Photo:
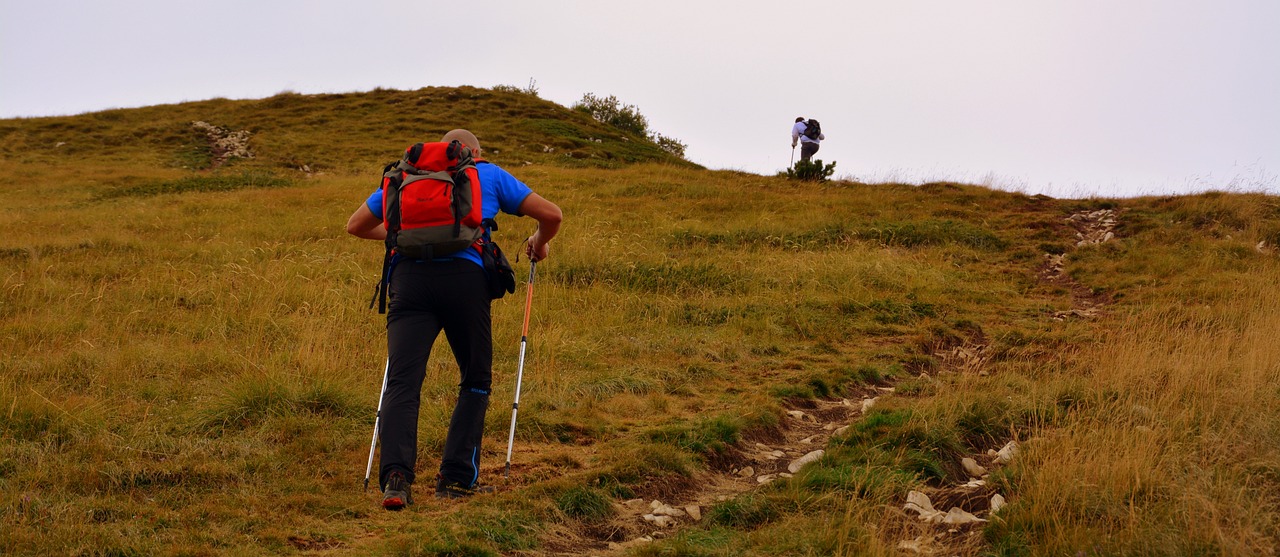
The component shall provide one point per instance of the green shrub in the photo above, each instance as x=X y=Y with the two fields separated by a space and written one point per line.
x=627 y=117
x=812 y=170
x=611 y=111
x=669 y=144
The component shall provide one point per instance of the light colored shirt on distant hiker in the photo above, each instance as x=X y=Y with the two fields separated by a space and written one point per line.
x=797 y=132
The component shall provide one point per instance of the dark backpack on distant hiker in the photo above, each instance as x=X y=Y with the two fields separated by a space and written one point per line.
x=431 y=205
x=812 y=129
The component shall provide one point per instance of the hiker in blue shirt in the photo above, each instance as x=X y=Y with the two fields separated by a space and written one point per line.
x=809 y=134
x=451 y=294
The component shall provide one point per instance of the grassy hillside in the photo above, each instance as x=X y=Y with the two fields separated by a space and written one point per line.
x=188 y=365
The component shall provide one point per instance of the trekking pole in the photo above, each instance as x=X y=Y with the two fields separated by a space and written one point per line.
x=376 y=422
x=793 y=156
x=524 y=341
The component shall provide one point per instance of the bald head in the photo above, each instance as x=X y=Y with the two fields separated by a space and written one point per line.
x=465 y=137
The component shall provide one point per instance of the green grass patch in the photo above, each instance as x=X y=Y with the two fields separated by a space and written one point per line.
x=216 y=182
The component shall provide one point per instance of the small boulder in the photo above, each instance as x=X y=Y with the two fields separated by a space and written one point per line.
x=958 y=515
x=972 y=467
x=805 y=460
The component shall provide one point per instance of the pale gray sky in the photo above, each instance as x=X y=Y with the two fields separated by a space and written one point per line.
x=1064 y=97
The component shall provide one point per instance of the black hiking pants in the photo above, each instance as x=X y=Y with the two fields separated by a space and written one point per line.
x=426 y=298
x=808 y=149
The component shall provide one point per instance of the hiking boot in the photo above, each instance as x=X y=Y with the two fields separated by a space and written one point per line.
x=456 y=490
x=398 y=493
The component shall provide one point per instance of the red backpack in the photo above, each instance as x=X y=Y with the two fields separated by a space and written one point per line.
x=431 y=201
x=431 y=204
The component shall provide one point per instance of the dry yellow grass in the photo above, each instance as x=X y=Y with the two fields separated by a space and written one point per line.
x=195 y=372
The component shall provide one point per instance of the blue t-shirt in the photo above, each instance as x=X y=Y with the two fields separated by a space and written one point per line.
x=499 y=190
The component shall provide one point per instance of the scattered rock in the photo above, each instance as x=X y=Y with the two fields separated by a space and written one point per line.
x=867 y=403
x=663 y=509
x=695 y=512
x=224 y=143
x=747 y=472
x=1085 y=313
x=958 y=515
x=841 y=430
x=801 y=462
x=972 y=467
x=920 y=503
x=613 y=546
x=766 y=478
x=801 y=416
x=919 y=546
x=661 y=521
x=1005 y=455
x=967 y=358
x=997 y=503
x=1093 y=227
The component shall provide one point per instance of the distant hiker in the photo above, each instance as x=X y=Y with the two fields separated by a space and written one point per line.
x=444 y=292
x=809 y=134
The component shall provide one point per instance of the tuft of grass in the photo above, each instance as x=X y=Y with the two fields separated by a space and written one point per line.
x=710 y=437
x=254 y=399
x=216 y=182
x=585 y=503
x=744 y=512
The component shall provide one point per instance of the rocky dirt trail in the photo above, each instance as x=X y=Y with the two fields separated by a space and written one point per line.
x=933 y=520
x=805 y=430
x=1091 y=228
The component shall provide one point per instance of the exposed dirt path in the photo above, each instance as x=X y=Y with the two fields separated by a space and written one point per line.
x=943 y=520
x=805 y=430
x=1091 y=228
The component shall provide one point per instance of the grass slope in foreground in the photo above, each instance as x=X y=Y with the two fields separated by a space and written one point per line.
x=192 y=370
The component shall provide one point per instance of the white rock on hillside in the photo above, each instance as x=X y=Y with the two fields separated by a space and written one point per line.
x=958 y=515
x=1005 y=455
x=867 y=403
x=805 y=460
x=997 y=503
x=920 y=503
x=972 y=467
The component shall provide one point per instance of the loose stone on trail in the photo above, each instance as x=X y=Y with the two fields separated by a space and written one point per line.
x=805 y=460
x=1006 y=454
x=997 y=503
x=972 y=467
x=867 y=403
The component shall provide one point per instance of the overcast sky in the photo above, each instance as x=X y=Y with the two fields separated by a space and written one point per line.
x=1065 y=97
